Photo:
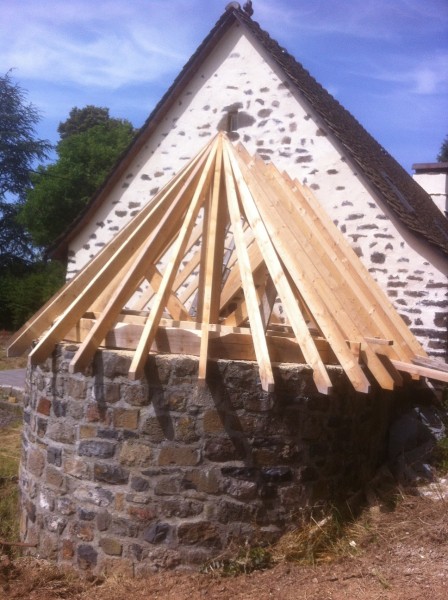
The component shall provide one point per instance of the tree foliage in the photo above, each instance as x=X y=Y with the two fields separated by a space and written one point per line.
x=24 y=290
x=443 y=154
x=16 y=247
x=82 y=119
x=19 y=150
x=37 y=205
x=91 y=143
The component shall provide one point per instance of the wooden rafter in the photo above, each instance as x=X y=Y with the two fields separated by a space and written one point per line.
x=178 y=250
x=277 y=274
x=60 y=302
x=247 y=281
x=218 y=248
x=212 y=259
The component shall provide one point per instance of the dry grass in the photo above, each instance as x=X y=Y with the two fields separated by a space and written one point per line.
x=312 y=543
x=27 y=578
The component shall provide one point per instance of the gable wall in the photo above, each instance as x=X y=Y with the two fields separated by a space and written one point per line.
x=277 y=125
x=436 y=184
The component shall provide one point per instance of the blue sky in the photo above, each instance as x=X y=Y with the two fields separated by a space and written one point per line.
x=385 y=60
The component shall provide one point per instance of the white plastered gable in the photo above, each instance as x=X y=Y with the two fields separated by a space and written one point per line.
x=240 y=87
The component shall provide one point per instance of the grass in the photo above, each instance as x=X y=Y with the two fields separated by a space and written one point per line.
x=441 y=456
x=10 y=446
x=313 y=543
x=6 y=363
x=9 y=491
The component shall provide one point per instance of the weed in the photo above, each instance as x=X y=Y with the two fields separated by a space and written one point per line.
x=338 y=534
x=246 y=561
x=440 y=456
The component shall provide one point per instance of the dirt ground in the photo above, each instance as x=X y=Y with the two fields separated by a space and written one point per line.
x=398 y=554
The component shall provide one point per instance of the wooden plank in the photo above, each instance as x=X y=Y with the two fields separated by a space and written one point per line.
x=239 y=314
x=188 y=269
x=295 y=248
x=146 y=296
x=256 y=324
x=149 y=331
x=142 y=302
x=380 y=307
x=195 y=236
x=61 y=301
x=268 y=300
x=213 y=248
x=379 y=341
x=355 y=347
x=100 y=302
x=232 y=288
x=398 y=378
x=272 y=262
x=420 y=371
x=186 y=293
x=133 y=318
x=431 y=363
x=175 y=307
x=224 y=344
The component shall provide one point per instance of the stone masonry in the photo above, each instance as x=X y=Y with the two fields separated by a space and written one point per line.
x=132 y=477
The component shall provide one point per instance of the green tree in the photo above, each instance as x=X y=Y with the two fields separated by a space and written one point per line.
x=82 y=119
x=443 y=154
x=26 y=281
x=19 y=150
x=85 y=156
x=24 y=291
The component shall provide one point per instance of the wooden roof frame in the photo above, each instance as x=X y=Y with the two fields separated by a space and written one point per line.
x=285 y=247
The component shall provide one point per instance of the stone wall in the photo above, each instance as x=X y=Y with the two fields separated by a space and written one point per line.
x=164 y=473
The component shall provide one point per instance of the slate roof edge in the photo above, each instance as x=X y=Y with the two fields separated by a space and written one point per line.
x=438 y=167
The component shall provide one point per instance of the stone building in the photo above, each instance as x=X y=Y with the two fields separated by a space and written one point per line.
x=169 y=462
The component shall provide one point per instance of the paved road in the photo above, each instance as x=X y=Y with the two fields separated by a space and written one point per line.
x=13 y=378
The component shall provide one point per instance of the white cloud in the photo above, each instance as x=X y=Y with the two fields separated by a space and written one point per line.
x=387 y=60
x=368 y=19
x=81 y=43
x=427 y=75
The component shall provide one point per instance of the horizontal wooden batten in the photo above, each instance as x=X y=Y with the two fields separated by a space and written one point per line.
x=185 y=337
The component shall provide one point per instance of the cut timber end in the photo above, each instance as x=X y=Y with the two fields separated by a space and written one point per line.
x=134 y=375
x=322 y=386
